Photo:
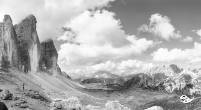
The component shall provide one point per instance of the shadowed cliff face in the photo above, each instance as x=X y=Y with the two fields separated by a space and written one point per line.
x=8 y=44
x=49 y=55
x=175 y=68
x=28 y=44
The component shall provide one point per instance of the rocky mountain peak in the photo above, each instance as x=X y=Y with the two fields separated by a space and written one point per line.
x=175 y=68
x=20 y=47
x=27 y=29
x=30 y=21
x=7 y=19
x=8 y=45
x=49 y=55
x=28 y=44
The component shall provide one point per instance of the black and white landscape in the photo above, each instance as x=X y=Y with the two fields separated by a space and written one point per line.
x=100 y=55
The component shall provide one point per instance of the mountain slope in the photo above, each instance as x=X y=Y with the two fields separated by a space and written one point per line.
x=29 y=72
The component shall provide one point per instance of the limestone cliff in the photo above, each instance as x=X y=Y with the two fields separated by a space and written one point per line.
x=28 y=44
x=20 y=47
x=48 y=58
x=8 y=44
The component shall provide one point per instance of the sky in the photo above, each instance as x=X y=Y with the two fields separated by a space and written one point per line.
x=119 y=36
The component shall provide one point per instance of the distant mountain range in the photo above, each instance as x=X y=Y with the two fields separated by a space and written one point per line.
x=167 y=78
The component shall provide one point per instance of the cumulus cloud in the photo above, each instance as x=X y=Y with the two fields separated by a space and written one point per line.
x=51 y=14
x=198 y=32
x=192 y=55
x=161 y=26
x=122 y=68
x=98 y=37
x=187 y=39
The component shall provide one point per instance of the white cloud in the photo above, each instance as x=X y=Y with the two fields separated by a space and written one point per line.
x=161 y=26
x=51 y=14
x=198 y=32
x=94 y=28
x=101 y=38
x=187 y=39
x=187 y=55
x=122 y=68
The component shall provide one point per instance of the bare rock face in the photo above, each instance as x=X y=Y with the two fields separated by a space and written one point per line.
x=6 y=95
x=3 y=106
x=28 y=44
x=175 y=68
x=8 y=46
x=49 y=55
x=20 y=47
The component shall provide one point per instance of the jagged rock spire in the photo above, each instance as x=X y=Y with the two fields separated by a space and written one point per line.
x=20 y=47
x=49 y=55
x=8 y=44
x=28 y=43
x=7 y=19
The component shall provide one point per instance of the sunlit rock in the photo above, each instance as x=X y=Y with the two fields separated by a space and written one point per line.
x=115 y=105
x=155 y=108
x=92 y=107
x=8 y=44
x=175 y=68
x=71 y=103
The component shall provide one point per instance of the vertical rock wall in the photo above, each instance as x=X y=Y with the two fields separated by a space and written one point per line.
x=8 y=44
x=28 y=44
x=20 y=47
x=48 y=59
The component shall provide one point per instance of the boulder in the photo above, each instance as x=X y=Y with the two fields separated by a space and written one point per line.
x=22 y=103
x=6 y=95
x=92 y=107
x=71 y=103
x=154 y=108
x=57 y=105
x=3 y=106
x=35 y=95
x=115 y=105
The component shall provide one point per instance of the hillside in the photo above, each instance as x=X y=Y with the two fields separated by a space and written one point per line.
x=30 y=78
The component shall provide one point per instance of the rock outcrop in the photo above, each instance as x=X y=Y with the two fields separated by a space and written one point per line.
x=3 y=106
x=175 y=68
x=8 y=44
x=72 y=103
x=28 y=44
x=6 y=95
x=48 y=58
x=155 y=108
x=35 y=95
x=20 y=47
x=115 y=105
